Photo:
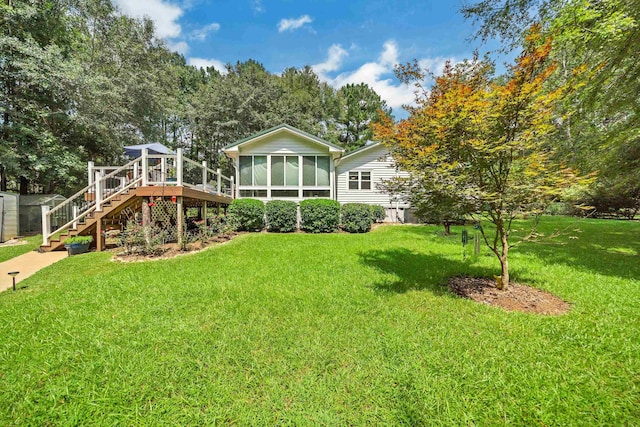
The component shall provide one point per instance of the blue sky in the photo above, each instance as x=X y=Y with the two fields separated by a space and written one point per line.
x=344 y=41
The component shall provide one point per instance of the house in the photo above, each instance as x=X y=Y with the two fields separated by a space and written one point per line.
x=285 y=163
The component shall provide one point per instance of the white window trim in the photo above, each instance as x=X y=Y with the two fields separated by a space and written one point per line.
x=300 y=187
x=359 y=172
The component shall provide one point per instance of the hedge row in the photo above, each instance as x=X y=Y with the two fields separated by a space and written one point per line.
x=316 y=215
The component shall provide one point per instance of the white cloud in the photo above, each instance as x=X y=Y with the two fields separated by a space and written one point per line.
x=293 y=23
x=181 y=47
x=202 y=33
x=204 y=63
x=163 y=14
x=333 y=61
x=435 y=65
x=378 y=74
x=257 y=6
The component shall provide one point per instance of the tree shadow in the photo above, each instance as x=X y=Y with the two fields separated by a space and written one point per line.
x=610 y=248
x=417 y=271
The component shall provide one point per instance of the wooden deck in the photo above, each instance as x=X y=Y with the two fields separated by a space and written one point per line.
x=135 y=186
x=188 y=193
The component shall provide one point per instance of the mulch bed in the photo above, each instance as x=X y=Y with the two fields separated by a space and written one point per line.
x=170 y=250
x=516 y=298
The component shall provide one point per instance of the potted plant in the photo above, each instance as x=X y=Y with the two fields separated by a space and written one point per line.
x=78 y=244
x=171 y=175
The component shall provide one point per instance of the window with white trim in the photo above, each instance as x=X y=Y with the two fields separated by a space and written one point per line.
x=359 y=180
x=253 y=170
x=315 y=171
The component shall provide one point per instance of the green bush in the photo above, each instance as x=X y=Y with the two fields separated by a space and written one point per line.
x=82 y=240
x=248 y=213
x=282 y=216
x=356 y=217
x=378 y=214
x=319 y=215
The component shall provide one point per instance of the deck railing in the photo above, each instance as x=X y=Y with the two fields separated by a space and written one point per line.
x=107 y=182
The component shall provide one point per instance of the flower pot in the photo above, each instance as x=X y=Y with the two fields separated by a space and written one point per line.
x=77 y=248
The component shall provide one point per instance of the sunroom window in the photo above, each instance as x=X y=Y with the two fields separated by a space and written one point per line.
x=253 y=170
x=284 y=170
x=315 y=171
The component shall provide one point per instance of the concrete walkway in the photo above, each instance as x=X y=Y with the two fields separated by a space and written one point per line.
x=27 y=264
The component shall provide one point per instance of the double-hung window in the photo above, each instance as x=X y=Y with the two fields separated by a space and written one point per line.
x=360 y=180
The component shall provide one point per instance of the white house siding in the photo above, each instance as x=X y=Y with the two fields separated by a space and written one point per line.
x=282 y=143
x=377 y=161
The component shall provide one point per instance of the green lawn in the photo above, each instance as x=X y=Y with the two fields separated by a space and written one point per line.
x=8 y=252
x=327 y=330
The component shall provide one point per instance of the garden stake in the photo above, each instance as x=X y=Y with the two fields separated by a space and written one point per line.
x=13 y=275
x=465 y=240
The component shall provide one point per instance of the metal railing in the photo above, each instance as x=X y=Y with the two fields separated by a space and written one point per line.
x=107 y=182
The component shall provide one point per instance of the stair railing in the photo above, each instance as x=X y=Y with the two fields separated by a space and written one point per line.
x=73 y=211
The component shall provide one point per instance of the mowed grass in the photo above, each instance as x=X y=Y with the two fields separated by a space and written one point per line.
x=328 y=330
x=12 y=251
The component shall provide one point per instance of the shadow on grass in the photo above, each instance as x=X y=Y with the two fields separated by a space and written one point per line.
x=417 y=271
x=606 y=252
x=606 y=247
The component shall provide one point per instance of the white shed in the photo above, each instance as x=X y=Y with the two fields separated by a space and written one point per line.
x=9 y=224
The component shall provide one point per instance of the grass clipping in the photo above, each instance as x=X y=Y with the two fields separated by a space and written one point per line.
x=515 y=298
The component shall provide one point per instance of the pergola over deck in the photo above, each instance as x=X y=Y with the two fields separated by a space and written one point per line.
x=134 y=185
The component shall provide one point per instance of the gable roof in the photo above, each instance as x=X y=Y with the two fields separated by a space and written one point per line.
x=280 y=128
x=360 y=150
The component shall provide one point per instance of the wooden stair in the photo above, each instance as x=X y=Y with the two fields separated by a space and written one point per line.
x=110 y=214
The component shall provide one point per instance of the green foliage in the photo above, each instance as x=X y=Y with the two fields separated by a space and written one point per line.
x=360 y=106
x=356 y=217
x=143 y=240
x=319 y=215
x=282 y=216
x=83 y=240
x=247 y=213
x=378 y=213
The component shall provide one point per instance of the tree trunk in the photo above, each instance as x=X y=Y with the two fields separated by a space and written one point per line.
x=504 y=263
x=447 y=228
x=3 y=179
x=24 y=185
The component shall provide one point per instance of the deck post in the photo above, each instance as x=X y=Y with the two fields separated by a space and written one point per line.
x=135 y=171
x=99 y=236
x=163 y=169
x=74 y=211
x=233 y=188
x=219 y=180
x=90 y=166
x=98 y=182
x=146 y=219
x=179 y=167
x=204 y=213
x=204 y=175
x=145 y=167
x=180 y=220
x=46 y=224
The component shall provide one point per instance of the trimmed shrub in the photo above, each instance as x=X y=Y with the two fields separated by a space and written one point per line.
x=319 y=215
x=248 y=214
x=378 y=214
x=356 y=217
x=282 y=216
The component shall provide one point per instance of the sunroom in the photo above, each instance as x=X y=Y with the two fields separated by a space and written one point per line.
x=284 y=163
